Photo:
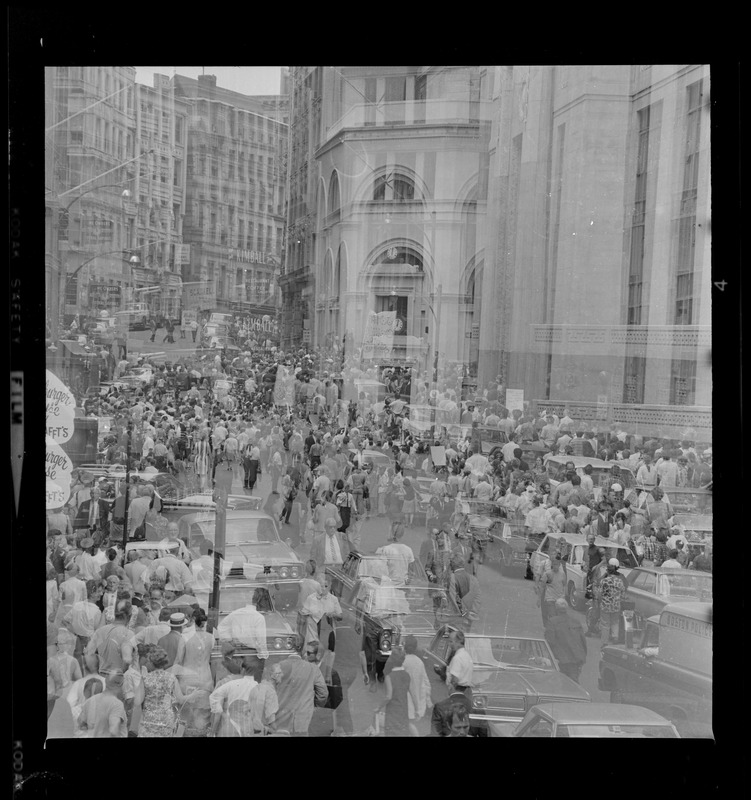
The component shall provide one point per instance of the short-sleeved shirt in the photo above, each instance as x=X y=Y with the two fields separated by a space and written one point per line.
x=100 y=712
x=460 y=668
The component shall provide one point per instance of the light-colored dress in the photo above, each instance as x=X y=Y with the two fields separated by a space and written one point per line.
x=196 y=670
x=158 y=717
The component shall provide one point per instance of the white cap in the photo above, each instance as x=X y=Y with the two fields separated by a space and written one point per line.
x=616 y=487
x=614 y=562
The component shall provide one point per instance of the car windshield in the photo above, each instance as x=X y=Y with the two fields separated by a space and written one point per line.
x=250 y=530
x=617 y=731
x=496 y=651
x=235 y=596
x=384 y=599
x=686 y=584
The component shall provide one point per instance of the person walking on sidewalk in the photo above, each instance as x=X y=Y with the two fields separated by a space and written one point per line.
x=194 y=328
x=154 y=325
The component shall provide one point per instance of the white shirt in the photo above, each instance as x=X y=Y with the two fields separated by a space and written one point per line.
x=248 y=626
x=399 y=557
x=238 y=689
x=671 y=563
x=508 y=451
x=460 y=668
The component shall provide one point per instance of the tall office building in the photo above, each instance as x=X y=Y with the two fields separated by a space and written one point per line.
x=599 y=198
x=158 y=200
x=91 y=163
x=235 y=182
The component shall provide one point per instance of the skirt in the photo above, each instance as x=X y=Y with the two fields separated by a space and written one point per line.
x=409 y=507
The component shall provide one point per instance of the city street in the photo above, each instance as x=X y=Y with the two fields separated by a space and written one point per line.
x=508 y=606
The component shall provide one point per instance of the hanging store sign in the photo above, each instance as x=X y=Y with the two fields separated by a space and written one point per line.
x=201 y=295
x=60 y=409
x=58 y=469
x=182 y=254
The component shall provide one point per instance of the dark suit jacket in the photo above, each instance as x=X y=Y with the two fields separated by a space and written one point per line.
x=439 y=721
x=82 y=517
x=318 y=550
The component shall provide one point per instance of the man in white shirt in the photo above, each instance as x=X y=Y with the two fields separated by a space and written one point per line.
x=646 y=475
x=177 y=545
x=248 y=626
x=399 y=556
x=508 y=449
x=460 y=668
x=322 y=484
x=238 y=689
x=477 y=463
x=180 y=577
x=667 y=470
x=138 y=508
x=484 y=490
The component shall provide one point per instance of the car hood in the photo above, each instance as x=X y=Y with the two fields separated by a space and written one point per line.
x=263 y=554
x=537 y=685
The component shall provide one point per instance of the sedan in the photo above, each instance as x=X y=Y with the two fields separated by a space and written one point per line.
x=587 y=720
x=511 y=675
x=650 y=589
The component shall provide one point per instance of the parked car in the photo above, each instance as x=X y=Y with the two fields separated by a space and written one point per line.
x=252 y=542
x=602 y=472
x=650 y=589
x=587 y=720
x=385 y=614
x=667 y=667
x=138 y=377
x=510 y=546
x=511 y=674
x=572 y=547
x=356 y=566
x=491 y=439
x=233 y=595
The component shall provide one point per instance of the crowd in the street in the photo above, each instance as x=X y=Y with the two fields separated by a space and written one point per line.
x=125 y=664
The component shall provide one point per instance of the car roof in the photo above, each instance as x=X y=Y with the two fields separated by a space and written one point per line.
x=674 y=571
x=599 y=714
x=582 y=461
x=448 y=628
x=240 y=514
x=578 y=538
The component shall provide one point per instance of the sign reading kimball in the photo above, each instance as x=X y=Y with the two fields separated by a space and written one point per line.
x=515 y=399
x=57 y=471
x=251 y=256
x=60 y=410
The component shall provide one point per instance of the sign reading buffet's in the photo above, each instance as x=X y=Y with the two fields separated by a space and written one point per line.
x=59 y=428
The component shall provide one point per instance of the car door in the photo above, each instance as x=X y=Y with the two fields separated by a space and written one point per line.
x=642 y=587
x=436 y=659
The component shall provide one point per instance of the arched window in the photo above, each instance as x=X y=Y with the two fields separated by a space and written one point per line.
x=399 y=254
x=393 y=187
x=334 y=201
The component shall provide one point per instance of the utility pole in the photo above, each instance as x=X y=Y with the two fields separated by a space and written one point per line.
x=127 y=484
x=222 y=486
x=437 y=315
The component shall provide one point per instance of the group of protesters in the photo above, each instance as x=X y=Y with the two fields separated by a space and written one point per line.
x=123 y=662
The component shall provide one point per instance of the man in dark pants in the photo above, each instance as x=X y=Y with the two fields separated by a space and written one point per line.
x=566 y=638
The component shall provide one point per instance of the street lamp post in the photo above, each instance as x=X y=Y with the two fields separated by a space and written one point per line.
x=127 y=484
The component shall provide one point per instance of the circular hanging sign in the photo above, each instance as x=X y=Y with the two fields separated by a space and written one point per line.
x=61 y=405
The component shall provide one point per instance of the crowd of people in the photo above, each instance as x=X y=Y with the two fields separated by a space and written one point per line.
x=125 y=663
